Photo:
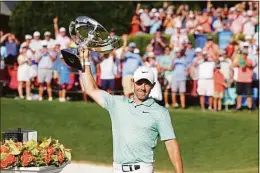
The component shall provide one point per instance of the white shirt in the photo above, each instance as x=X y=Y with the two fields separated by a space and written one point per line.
x=249 y=27
x=206 y=70
x=50 y=43
x=107 y=68
x=36 y=45
x=145 y=19
x=225 y=68
x=178 y=40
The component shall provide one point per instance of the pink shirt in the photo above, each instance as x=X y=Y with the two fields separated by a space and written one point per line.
x=64 y=41
x=245 y=74
x=237 y=25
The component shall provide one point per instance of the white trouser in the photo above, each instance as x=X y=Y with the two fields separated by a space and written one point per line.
x=143 y=168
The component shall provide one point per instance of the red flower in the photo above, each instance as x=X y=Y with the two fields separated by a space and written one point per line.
x=10 y=159
x=26 y=158
x=50 y=150
x=60 y=156
x=47 y=159
x=4 y=149
x=4 y=163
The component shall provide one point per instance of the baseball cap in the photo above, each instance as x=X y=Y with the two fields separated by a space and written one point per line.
x=62 y=29
x=36 y=34
x=246 y=44
x=144 y=73
x=154 y=10
x=248 y=37
x=198 y=49
x=210 y=38
x=47 y=33
x=150 y=54
x=132 y=45
x=27 y=36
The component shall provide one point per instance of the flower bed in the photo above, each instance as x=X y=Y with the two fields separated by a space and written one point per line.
x=48 y=152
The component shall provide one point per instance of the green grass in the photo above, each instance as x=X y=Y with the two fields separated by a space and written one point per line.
x=225 y=142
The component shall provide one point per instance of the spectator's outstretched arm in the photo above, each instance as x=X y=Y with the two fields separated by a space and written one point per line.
x=56 y=27
x=3 y=38
x=88 y=81
x=137 y=8
x=124 y=37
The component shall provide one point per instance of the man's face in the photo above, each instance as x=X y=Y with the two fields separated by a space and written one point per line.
x=36 y=37
x=158 y=34
x=167 y=51
x=142 y=89
x=47 y=37
x=62 y=33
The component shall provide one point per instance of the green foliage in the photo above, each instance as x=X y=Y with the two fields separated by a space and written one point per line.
x=210 y=142
x=29 y=16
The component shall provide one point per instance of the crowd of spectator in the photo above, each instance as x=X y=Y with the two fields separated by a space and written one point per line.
x=208 y=70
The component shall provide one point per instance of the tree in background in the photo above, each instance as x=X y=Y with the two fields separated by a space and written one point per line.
x=29 y=16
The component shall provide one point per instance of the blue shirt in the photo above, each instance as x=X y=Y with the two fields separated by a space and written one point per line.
x=131 y=62
x=190 y=54
x=11 y=48
x=3 y=52
x=178 y=73
x=64 y=72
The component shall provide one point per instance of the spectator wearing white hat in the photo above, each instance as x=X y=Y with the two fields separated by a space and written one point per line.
x=60 y=35
x=205 y=80
x=237 y=24
x=212 y=49
x=165 y=61
x=45 y=65
x=145 y=20
x=249 y=24
x=168 y=25
x=36 y=42
x=107 y=72
x=179 y=75
x=244 y=79
x=130 y=62
x=150 y=62
x=23 y=72
x=27 y=42
x=191 y=23
x=179 y=38
x=50 y=42
x=193 y=70
x=155 y=23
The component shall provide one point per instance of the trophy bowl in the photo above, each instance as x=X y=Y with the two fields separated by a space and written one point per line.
x=89 y=34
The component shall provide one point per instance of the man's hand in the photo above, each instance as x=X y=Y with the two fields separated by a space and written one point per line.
x=83 y=56
x=55 y=20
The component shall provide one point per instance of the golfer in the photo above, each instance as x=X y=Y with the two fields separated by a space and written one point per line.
x=136 y=123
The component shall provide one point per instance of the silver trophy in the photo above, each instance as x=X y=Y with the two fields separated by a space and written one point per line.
x=87 y=33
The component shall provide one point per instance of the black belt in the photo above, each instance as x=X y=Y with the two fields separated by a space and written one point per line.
x=130 y=168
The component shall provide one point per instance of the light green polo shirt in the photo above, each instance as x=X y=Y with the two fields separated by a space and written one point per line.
x=166 y=62
x=136 y=128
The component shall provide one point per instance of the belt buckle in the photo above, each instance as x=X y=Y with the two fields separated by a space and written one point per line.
x=129 y=166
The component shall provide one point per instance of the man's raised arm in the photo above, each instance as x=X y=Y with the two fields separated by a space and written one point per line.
x=88 y=82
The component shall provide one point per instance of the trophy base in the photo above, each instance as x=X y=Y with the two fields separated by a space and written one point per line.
x=70 y=58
